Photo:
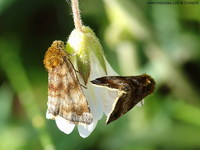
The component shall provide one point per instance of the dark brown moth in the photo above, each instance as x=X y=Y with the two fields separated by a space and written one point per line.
x=65 y=96
x=132 y=89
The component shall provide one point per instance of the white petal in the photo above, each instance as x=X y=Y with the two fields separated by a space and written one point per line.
x=64 y=125
x=110 y=96
x=107 y=96
x=94 y=101
x=110 y=71
x=141 y=103
x=109 y=99
x=86 y=130
x=94 y=97
x=49 y=115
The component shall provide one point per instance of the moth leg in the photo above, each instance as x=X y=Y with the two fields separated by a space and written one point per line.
x=81 y=75
x=77 y=71
x=83 y=86
x=74 y=54
x=71 y=54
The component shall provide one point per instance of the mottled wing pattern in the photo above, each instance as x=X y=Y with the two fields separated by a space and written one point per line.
x=65 y=96
x=132 y=89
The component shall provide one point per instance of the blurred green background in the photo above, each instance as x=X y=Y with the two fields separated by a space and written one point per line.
x=161 y=40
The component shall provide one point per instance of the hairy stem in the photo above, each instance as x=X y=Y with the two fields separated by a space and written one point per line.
x=76 y=15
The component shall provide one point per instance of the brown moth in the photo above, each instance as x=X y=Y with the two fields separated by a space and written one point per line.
x=132 y=89
x=65 y=96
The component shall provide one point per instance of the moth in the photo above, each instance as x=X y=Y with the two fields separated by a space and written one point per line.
x=65 y=96
x=131 y=90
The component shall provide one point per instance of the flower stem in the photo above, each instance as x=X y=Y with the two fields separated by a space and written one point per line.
x=76 y=15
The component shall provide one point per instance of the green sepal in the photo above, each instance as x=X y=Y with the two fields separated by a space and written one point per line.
x=83 y=64
x=82 y=44
x=95 y=47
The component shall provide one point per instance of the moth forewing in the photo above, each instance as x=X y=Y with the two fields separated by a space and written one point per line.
x=110 y=114
x=65 y=96
x=131 y=89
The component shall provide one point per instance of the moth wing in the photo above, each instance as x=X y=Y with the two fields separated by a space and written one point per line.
x=113 y=82
x=54 y=99
x=118 y=108
x=123 y=103
x=118 y=83
x=131 y=89
x=65 y=96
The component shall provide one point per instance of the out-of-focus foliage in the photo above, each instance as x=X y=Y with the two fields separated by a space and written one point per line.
x=161 y=40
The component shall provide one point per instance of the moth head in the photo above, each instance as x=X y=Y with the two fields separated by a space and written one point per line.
x=55 y=55
x=148 y=83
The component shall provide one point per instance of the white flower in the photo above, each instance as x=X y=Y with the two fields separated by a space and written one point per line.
x=90 y=62
x=100 y=99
